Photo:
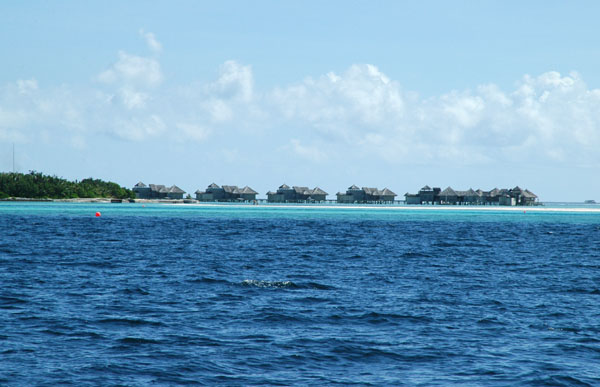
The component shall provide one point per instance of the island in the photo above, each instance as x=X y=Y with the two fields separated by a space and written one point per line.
x=35 y=185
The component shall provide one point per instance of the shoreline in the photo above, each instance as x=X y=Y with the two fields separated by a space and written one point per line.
x=94 y=200
x=402 y=207
x=545 y=207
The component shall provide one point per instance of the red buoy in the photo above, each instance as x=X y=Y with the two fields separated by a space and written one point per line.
x=98 y=214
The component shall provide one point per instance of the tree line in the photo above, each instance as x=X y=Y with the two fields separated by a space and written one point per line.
x=36 y=185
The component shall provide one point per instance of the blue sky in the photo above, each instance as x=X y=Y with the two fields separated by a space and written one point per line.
x=386 y=94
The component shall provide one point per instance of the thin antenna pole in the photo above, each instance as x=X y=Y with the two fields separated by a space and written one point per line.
x=14 y=171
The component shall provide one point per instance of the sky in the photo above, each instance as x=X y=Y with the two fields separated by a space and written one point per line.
x=374 y=93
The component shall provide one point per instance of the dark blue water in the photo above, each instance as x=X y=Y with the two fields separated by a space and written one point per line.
x=241 y=298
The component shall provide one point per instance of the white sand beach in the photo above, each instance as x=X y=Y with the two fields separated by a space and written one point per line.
x=398 y=207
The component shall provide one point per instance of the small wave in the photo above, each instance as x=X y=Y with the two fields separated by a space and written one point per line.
x=270 y=284
x=382 y=318
x=138 y=340
x=8 y=302
x=274 y=316
x=566 y=348
x=373 y=354
x=52 y=332
x=559 y=380
x=86 y=334
x=12 y=300
x=415 y=254
x=580 y=290
x=318 y=286
x=312 y=300
x=285 y=285
x=446 y=244
x=208 y=280
x=398 y=317
x=136 y=290
x=202 y=341
x=128 y=321
x=489 y=321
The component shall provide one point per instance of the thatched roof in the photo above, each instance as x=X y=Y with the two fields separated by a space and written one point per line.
x=528 y=194
x=387 y=192
x=370 y=190
x=176 y=189
x=156 y=187
x=284 y=186
x=213 y=186
x=301 y=190
x=247 y=190
x=140 y=185
x=198 y=192
x=318 y=191
x=448 y=192
x=232 y=189
x=426 y=188
x=353 y=187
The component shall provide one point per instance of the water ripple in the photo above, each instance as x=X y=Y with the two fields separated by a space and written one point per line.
x=223 y=297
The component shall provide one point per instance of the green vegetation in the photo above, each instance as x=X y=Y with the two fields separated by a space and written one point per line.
x=35 y=185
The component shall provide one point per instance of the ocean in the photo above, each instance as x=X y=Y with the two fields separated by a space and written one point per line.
x=297 y=295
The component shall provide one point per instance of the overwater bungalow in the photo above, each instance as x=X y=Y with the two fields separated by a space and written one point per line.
x=503 y=197
x=354 y=194
x=226 y=193
x=157 y=191
x=296 y=194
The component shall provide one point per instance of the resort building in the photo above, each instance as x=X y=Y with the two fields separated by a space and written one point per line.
x=503 y=197
x=295 y=194
x=226 y=193
x=366 y=195
x=157 y=191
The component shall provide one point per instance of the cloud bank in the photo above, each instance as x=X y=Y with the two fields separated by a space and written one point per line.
x=360 y=113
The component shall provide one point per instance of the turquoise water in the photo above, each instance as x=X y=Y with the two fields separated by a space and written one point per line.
x=559 y=212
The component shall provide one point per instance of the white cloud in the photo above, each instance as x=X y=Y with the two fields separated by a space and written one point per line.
x=151 y=41
x=193 y=131
x=12 y=118
x=547 y=118
x=27 y=86
x=311 y=153
x=133 y=99
x=359 y=113
x=219 y=110
x=134 y=71
x=235 y=81
x=139 y=128
x=343 y=106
